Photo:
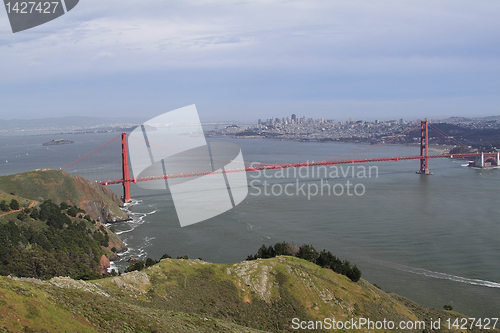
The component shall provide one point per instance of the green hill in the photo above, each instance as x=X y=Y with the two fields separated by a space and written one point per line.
x=44 y=232
x=98 y=201
x=196 y=296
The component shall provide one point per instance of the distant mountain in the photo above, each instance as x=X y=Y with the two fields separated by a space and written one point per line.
x=67 y=123
x=454 y=120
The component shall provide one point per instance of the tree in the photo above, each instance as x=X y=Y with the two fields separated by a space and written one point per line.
x=3 y=206
x=35 y=214
x=14 y=204
x=72 y=211
x=308 y=253
x=354 y=273
x=150 y=262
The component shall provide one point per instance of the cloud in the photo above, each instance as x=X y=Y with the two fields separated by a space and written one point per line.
x=325 y=42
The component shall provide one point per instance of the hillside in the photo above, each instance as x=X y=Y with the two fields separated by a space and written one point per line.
x=98 y=201
x=44 y=232
x=196 y=296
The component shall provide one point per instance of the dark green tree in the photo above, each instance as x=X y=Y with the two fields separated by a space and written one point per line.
x=3 y=206
x=354 y=273
x=35 y=214
x=14 y=204
x=72 y=211
x=308 y=252
x=150 y=262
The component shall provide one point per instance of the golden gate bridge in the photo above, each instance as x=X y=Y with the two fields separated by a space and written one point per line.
x=482 y=159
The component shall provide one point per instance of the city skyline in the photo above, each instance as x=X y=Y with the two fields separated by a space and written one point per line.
x=245 y=60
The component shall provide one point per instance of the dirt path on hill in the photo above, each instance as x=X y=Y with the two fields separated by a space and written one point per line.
x=18 y=210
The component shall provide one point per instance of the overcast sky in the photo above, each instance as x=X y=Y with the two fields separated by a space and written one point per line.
x=244 y=60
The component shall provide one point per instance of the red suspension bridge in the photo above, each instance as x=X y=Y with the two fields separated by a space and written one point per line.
x=482 y=159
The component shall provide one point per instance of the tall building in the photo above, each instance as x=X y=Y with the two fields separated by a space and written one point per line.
x=294 y=118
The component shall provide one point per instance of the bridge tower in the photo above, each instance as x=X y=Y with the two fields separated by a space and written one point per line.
x=125 y=171
x=424 y=148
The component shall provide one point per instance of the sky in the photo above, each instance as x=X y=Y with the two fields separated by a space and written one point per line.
x=245 y=60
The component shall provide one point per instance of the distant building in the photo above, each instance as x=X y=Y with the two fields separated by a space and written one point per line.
x=294 y=118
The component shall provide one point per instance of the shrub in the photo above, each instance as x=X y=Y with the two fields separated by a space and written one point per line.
x=136 y=266
x=35 y=214
x=3 y=206
x=308 y=253
x=14 y=204
x=73 y=211
x=150 y=262
x=354 y=273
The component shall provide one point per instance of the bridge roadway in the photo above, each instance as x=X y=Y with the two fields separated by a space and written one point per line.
x=294 y=165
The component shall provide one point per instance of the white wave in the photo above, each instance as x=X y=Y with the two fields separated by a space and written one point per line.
x=112 y=266
x=124 y=231
x=154 y=211
x=444 y=276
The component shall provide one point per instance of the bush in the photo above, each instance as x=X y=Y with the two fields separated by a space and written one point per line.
x=165 y=256
x=136 y=266
x=3 y=206
x=73 y=211
x=35 y=214
x=113 y=249
x=448 y=307
x=308 y=252
x=354 y=273
x=150 y=262
x=14 y=204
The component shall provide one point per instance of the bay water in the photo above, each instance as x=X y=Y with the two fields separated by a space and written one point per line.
x=433 y=239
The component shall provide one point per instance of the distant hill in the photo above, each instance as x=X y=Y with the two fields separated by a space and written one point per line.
x=98 y=201
x=196 y=296
x=66 y=123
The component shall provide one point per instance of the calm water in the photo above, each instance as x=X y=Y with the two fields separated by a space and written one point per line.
x=434 y=239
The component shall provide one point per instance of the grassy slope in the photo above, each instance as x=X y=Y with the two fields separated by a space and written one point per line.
x=59 y=186
x=195 y=296
x=36 y=186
